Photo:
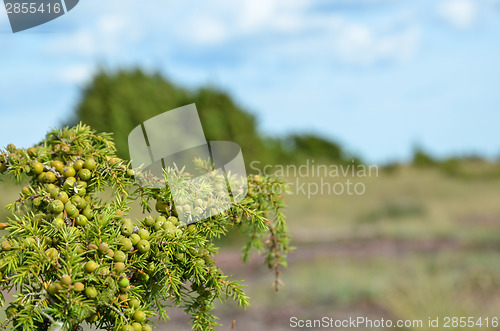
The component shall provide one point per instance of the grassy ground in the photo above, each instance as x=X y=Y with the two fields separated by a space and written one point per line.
x=417 y=244
x=408 y=204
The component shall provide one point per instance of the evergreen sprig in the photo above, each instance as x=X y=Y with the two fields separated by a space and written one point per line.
x=72 y=256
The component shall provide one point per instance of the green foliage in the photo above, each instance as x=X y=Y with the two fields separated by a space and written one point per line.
x=463 y=167
x=421 y=159
x=297 y=148
x=118 y=102
x=73 y=257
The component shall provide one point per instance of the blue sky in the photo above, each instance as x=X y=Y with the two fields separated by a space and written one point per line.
x=379 y=76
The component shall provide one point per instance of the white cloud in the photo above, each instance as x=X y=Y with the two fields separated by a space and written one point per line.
x=256 y=13
x=360 y=44
x=309 y=30
x=205 y=31
x=402 y=45
x=4 y=20
x=114 y=34
x=277 y=15
x=82 y=42
x=76 y=74
x=222 y=20
x=460 y=13
x=354 y=40
x=108 y=35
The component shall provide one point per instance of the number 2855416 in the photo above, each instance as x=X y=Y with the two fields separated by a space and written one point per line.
x=470 y=322
x=32 y=8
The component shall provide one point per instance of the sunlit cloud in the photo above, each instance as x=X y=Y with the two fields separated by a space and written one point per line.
x=459 y=13
x=76 y=74
x=359 y=44
x=81 y=42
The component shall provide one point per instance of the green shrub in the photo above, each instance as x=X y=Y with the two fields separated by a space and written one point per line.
x=73 y=257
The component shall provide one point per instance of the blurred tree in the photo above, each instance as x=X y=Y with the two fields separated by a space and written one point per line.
x=119 y=101
x=422 y=159
x=309 y=146
x=222 y=119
